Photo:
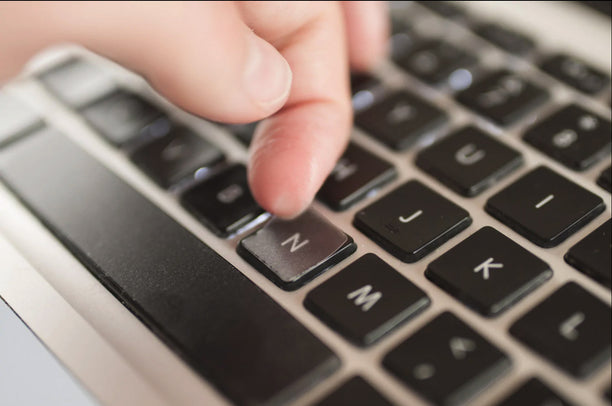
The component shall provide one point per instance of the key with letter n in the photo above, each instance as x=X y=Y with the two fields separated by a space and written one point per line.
x=291 y=252
x=296 y=244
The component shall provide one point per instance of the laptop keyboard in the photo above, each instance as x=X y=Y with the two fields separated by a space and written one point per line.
x=251 y=348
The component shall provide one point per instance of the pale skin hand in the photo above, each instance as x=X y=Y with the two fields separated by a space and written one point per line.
x=232 y=62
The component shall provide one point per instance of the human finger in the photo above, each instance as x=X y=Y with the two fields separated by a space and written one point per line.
x=294 y=151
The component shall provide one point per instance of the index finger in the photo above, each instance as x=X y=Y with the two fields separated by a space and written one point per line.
x=294 y=150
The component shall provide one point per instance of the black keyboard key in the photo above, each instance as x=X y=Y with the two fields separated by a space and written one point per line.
x=545 y=207
x=488 y=271
x=591 y=255
x=215 y=318
x=605 y=179
x=571 y=328
x=355 y=392
x=403 y=38
x=575 y=73
x=176 y=156
x=469 y=161
x=15 y=119
x=573 y=136
x=356 y=174
x=121 y=116
x=223 y=202
x=434 y=61
x=503 y=97
x=412 y=221
x=400 y=119
x=505 y=38
x=77 y=82
x=534 y=392
x=446 y=361
x=366 y=300
x=292 y=252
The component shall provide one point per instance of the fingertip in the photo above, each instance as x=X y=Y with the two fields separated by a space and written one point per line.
x=282 y=183
x=292 y=154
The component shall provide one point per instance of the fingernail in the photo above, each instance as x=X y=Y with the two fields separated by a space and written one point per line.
x=267 y=75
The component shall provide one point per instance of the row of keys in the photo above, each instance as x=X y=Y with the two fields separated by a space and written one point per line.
x=413 y=220
x=281 y=250
x=566 y=68
x=572 y=135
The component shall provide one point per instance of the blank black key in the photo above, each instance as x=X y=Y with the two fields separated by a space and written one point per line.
x=15 y=118
x=503 y=97
x=573 y=136
x=224 y=202
x=505 y=38
x=357 y=173
x=571 y=328
x=366 y=300
x=412 y=221
x=605 y=179
x=575 y=73
x=446 y=361
x=400 y=119
x=591 y=255
x=469 y=161
x=175 y=156
x=545 y=207
x=215 y=318
x=121 y=116
x=292 y=252
x=355 y=392
x=434 y=61
x=488 y=271
x=534 y=392
x=77 y=82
